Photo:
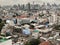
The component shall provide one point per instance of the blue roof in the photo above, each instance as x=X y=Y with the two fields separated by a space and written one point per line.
x=26 y=31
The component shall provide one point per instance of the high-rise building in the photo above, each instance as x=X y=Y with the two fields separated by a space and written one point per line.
x=22 y=7
x=28 y=6
x=19 y=6
x=48 y=4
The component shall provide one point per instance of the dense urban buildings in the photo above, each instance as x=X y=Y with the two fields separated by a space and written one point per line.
x=30 y=24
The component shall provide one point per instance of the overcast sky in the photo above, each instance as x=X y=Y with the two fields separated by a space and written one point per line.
x=11 y=2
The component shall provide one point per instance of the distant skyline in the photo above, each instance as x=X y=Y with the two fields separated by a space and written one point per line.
x=12 y=2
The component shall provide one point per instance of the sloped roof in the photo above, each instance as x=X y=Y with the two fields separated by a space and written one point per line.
x=45 y=43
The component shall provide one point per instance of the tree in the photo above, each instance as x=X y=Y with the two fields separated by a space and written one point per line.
x=0 y=20
x=41 y=15
x=33 y=42
x=1 y=25
x=57 y=27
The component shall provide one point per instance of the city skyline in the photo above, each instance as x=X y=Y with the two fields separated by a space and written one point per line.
x=12 y=2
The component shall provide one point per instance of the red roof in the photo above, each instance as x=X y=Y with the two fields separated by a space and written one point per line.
x=45 y=43
x=22 y=16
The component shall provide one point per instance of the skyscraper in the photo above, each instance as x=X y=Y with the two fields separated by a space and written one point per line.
x=28 y=6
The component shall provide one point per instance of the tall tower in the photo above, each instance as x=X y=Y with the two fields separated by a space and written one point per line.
x=33 y=5
x=28 y=6
x=33 y=2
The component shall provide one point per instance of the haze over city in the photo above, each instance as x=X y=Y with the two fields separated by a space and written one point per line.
x=29 y=22
x=12 y=2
